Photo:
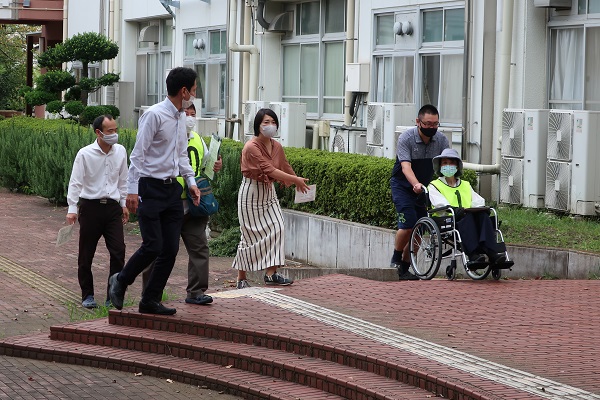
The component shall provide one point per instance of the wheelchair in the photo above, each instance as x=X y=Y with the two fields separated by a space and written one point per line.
x=435 y=238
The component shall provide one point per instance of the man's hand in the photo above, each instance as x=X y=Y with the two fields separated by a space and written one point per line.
x=218 y=164
x=417 y=188
x=132 y=202
x=71 y=218
x=125 y=217
x=195 y=192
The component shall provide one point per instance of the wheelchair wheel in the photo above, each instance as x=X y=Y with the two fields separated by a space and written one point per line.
x=496 y=274
x=478 y=274
x=425 y=248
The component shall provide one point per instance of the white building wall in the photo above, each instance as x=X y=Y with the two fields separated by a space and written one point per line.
x=90 y=23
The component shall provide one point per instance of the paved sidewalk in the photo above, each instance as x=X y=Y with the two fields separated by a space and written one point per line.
x=538 y=336
x=29 y=226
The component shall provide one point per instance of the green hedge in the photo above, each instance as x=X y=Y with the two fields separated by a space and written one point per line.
x=36 y=156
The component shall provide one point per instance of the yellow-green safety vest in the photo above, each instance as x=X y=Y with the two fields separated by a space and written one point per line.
x=195 y=152
x=459 y=196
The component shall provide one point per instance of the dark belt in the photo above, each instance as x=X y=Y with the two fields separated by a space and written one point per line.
x=102 y=201
x=166 y=181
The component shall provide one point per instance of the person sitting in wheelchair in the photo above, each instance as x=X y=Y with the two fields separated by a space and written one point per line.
x=475 y=227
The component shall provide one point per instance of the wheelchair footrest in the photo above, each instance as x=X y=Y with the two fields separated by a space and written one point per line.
x=472 y=265
x=504 y=265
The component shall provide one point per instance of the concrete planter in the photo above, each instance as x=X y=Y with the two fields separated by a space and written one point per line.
x=327 y=245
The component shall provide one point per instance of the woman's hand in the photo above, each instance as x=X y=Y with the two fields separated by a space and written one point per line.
x=301 y=185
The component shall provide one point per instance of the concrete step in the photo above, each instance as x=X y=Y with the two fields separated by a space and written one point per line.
x=218 y=377
x=329 y=376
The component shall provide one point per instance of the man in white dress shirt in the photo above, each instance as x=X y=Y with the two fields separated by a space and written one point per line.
x=97 y=189
x=158 y=158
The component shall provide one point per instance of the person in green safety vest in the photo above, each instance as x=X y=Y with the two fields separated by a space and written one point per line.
x=475 y=227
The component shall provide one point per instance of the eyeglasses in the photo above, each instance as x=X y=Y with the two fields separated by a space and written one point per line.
x=429 y=124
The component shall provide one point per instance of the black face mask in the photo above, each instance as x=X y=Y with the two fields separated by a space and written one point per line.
x=429 y=132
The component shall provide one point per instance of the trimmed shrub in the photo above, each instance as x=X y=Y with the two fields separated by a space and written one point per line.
x=37 y=157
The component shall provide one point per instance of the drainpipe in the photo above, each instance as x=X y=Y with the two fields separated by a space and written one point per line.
x=466 y=76
x=243 y=48
x=111 y=29
x=504 y=59
x=502 y=88
x=349 y=56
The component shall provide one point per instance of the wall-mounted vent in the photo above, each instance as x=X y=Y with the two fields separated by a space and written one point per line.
x=283 y=22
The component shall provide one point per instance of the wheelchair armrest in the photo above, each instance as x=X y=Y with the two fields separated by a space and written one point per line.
x=444 y=208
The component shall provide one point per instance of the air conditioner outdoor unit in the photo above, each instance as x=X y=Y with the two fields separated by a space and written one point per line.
x=579 y=176
x=560 y=135
x=250 y=110
x=511 y=180
x=207 y=126
x=454 y=136
x=382 y=119
x=292 y=123
x=389 y=148
x=374 y=150
x=558 y=185
x=524 y=137
x=347 y=141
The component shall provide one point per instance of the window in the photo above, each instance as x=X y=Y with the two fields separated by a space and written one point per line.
x=208 y=59
x=94 y=98
x=314 y=58
x=155 y=39
x=385 y=30
x=441 y=58
x=395 y=77
x=588 y=6
x=443 y=25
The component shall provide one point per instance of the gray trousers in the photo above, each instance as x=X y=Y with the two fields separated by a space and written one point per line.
x=193 y=233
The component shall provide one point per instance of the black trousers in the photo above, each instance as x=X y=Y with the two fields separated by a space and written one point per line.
x=96 y=220
x=477 y=233
x=160 y=213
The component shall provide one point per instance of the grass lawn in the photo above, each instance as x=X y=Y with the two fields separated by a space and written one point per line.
x=530 y=227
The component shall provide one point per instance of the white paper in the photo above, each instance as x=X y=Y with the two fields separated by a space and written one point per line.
x=306 y=197
x=213 y=156
x=64 y=235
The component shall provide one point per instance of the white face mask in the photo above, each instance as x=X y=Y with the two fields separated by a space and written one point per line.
x=269 y=131
x=110 y=139
x=190 y=123
x=187 y=103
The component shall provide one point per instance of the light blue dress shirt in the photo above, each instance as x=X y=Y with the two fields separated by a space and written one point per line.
x=160 y=149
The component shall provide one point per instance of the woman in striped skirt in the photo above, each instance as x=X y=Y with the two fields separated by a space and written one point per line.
x=263 y=162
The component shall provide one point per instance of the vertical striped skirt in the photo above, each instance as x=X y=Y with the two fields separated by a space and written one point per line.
x=261 y=224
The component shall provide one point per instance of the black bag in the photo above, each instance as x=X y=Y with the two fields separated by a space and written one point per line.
x=208 y=203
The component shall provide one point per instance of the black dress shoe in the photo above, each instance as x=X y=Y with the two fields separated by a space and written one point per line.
x=477 y=258
x=497 y=258
x=116 y=291
x=154 y=307
x=201 y=300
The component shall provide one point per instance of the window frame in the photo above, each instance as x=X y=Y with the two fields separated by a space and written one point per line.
x=164 y=57
x=214 y=63
x=321 y=39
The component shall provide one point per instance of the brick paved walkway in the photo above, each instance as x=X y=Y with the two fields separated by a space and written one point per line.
x=545 y=328
x=28 y=229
